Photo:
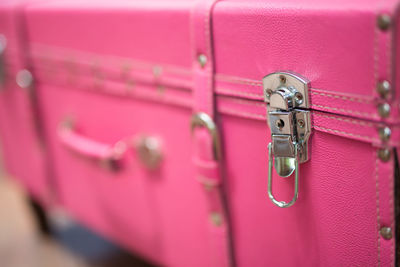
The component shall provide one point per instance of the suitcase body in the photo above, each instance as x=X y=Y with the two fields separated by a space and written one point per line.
x=22 y=142
x=158 y=117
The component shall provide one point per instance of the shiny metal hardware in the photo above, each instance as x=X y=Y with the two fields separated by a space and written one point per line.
x=384 y=21
x=286 y=95
x=3 y=44
x=201 y=119
x=202 y=59
x=385 y=133
x=383 y=88
x=148 y=149
x=384 y=154
x=24 y=78
x=216 y=218
x=384 y=110
x=386 y=233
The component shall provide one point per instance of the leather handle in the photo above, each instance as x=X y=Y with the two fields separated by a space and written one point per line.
x=109 y=154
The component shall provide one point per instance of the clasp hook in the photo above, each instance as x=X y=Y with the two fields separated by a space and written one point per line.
x=282 y=204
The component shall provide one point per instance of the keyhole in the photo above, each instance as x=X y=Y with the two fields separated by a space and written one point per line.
x=280 y=124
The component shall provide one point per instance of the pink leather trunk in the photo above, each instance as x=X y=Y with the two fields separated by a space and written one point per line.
x=21 y=138
x=109 y=74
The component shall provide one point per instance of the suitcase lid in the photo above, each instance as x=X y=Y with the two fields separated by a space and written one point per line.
x=341 y=47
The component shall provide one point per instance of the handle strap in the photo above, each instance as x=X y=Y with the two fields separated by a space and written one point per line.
x=205 y=136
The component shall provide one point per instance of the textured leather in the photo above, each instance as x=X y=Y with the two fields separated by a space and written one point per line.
x=127 y=68
x=21 y=139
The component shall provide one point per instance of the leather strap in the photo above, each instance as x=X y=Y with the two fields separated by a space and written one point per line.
x=207 y=166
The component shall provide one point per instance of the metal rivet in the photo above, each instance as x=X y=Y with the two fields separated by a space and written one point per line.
x=384 y=22
x=299 y=98
x=301 y=123
x=384 y=154
x=149 y=151
x=202 y=59
x=216 y=218
x=268 y=93
x=383 y=88
x=282 y=78
x=24 y=78
x=279 y=124
x=386 y=232
x=384 y=133
x=384 y=110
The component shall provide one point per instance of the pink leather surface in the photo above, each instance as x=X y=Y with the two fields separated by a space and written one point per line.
x=126 y=68
x=21 y=146
x=162 y=215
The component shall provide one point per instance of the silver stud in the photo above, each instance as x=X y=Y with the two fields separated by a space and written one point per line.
x=279 y=124
x=299 y=98
x=384 y=22
x=384 y=110
x=301 y=123
x=268 y=93
x=216 y=218
x=386 y=232
x=385 y=133
x=149 y=151
x=383 y=88
x=24 y=78
x=384 y=154
x=202 y=59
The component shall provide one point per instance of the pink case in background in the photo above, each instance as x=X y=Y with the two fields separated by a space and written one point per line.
x=111 y=74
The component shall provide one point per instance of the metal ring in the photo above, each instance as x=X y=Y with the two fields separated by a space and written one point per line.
x=282 y=204
x=201 y=119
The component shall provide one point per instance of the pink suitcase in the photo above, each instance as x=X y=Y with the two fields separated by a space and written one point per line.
x=22 y=141
x=224 y=133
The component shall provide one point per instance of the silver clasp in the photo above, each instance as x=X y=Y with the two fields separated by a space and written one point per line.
x=286 y=95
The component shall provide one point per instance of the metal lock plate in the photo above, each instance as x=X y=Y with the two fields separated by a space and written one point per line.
x=286 y=95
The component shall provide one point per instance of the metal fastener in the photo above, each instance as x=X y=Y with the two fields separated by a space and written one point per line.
x=148 y=149
x=216 y=218
x=268 y=93
x=280 y=124
x=384 y=154
x=299 y=98
x=384 y=22
x=383 y=88
x=301 y=123
x=24 y=78
x=202 y=59
x=384 y=110
x=386 y=232
x=384 y=133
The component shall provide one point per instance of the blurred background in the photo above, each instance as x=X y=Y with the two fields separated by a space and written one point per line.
x=29 y=239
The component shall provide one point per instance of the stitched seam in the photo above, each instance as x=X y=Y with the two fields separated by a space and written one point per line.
x=244 y=102
x=238 y=80
x=238 y=93
x=391 y=201
x=352 y=99
x=241 y=113
x=345 y=110
x=369 y=124
x=345 y=133
x=378 y=222
x=90 y=56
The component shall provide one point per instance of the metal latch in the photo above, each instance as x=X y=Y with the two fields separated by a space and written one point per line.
x=286 y=95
